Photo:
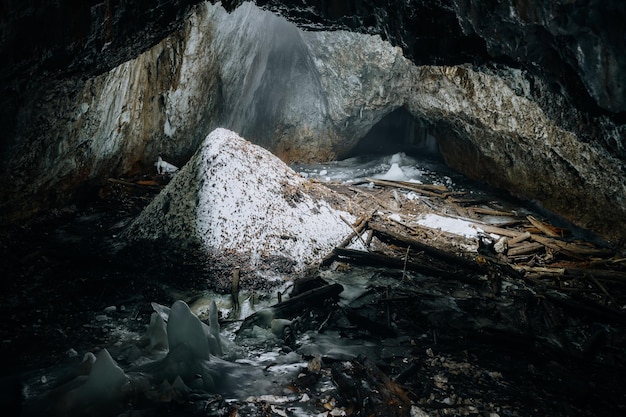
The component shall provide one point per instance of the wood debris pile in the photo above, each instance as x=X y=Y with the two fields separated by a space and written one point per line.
x=509 y=243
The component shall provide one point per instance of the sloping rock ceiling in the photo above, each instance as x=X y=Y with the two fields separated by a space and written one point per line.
x=526 y=95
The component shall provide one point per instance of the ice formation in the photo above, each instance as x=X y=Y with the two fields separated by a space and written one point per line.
x=164 y=167
x=395 y=173
x=98 y=389
x=184 y=328
x=156 y=335
x=98 y=386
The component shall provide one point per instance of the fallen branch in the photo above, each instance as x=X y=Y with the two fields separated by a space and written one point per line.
x=572 y=250
x=356 y=230
x=546 y=229
x=393 y=238
x=381 y=260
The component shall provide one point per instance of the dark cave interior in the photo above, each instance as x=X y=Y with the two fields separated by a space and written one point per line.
x=400 y=131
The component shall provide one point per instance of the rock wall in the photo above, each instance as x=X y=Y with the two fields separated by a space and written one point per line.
x=491 y=125
x=313 y=95
x=303 y=96
x=577 y=45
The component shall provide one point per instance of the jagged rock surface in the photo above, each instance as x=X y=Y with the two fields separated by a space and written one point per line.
x=312 y=96
x=576 y=44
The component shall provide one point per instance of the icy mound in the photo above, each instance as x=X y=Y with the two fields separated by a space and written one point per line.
x=236 y=197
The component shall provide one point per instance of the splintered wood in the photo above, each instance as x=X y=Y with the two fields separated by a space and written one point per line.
x=506 y=239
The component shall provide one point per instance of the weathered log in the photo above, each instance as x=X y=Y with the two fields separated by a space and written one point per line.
x=381 y=260
x=519 y=239
x=360 y=224
x=524 y=249
x=572 y=250
x=388 y=236
x=542 y=271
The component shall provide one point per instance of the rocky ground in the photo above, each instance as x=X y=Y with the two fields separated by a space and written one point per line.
x=496 y=334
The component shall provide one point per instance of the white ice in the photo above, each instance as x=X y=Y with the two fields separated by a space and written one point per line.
x=164 y=167
x=450 y=225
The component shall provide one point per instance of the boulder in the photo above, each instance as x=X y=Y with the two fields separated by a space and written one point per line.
x=241 y=205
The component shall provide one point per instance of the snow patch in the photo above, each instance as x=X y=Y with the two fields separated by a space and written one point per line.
x=450 y=225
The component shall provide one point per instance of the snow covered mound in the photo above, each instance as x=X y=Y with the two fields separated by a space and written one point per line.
x=236 y=197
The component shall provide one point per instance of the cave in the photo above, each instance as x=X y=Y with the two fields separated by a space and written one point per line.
x=401 y=208
x=396 y=132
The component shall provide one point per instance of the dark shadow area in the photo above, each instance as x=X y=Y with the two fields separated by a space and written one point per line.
x=399 y=131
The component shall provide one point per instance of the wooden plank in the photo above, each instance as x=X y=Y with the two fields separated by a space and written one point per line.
x=545 y=228
x=573 y=250
x=524 y=249
x=516 y=240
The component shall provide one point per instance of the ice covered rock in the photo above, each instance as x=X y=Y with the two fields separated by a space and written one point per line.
x=235 y=199
x=218 y=345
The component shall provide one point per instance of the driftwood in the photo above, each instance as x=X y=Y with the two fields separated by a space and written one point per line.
x=393 y=238
x=361 y=223
x=524 y=249
x=381 y=260
x=490 y=212
x=535 y=250
x=519 y=239
x=546 y=229
x=572 y=250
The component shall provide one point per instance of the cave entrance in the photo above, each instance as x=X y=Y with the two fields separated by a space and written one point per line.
x=399 y=131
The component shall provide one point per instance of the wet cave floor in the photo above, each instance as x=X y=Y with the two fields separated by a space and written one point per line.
x=395 y=341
